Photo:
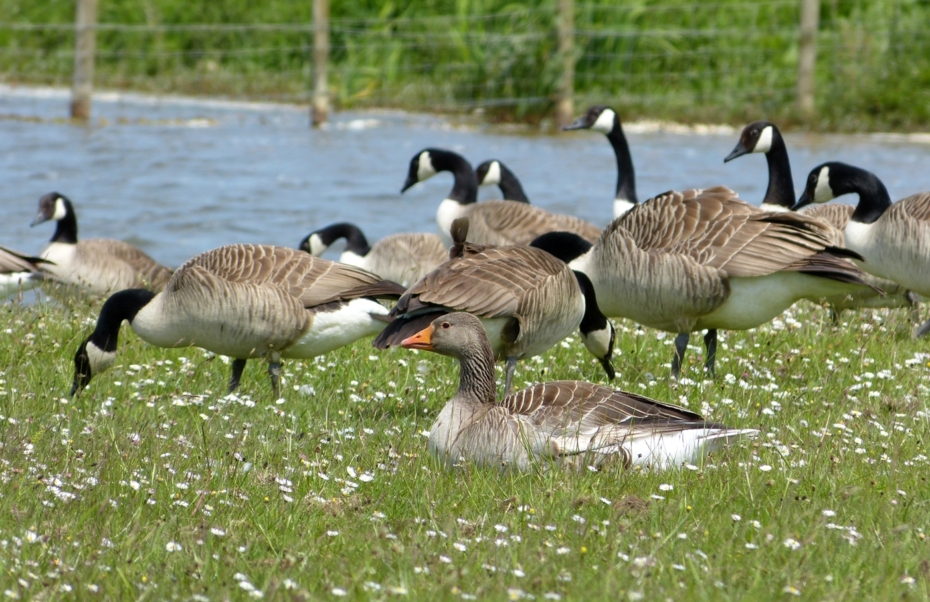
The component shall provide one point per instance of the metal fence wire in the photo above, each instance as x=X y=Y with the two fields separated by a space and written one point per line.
x=649 y=57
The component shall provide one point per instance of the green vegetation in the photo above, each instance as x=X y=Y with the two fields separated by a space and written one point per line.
x=154 y=484
x=725 y=61
x=728 y=61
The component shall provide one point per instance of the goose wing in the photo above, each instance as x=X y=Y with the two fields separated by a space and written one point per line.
x=515 y=223
x=11 y=261
x=915 y=207
x=406 y=257
x=134 y=265
x=837 y=215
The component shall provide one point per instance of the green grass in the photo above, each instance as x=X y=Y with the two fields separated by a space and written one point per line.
x=334 y=491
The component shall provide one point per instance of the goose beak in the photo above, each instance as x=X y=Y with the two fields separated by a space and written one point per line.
x=804 y=201
x=40 y=218
x=408 y=183
x=421 y=340
x=578 y=124
x=738 y=151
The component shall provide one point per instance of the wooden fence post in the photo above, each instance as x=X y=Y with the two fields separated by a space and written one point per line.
x=807 y=56
x=85 y=44
x=565 y=109
x=319 y=111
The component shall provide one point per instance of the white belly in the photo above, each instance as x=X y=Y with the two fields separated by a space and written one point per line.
x=334 y=329
x=904 y=260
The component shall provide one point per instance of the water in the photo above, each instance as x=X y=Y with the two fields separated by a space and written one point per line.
x=177 y=177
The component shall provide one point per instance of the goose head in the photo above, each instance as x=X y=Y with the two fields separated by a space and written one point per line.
x=489 y=173
x=599 y=118
x=566 y=246
x=755 y=138
x=53 y=206
x=818 y=188
x=317 y=242
x=460 y=335
x=597 y=333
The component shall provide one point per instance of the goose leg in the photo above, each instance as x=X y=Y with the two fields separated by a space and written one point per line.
x=710 y=342
x=511 y=366
x=922 y=330
x=681 y=345
x=274 y=371
x=237 y=367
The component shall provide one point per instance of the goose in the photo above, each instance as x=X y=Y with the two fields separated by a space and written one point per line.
x=403 y=258
x=764 y=137
x=98 y=265
x=244 y=301
x=605 y=120
x=527 y=299
x=492 y=222
x=703 y=259
x=494 y=172
x=20 y=272
x=893 y=239
x=571 y=423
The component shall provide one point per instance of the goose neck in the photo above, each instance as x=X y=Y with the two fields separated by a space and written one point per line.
x=511 y=188
x=476 y=378
x=123 y=305
x=626 y=179
x=66 y=230
x=465 y=184
x=781 y=186
x=873 y=196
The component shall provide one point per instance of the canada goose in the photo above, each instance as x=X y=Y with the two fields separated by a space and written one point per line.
x=764 y=137
x=492 y=222
x=403 y=258
x=20 y=272
x=97 y=265
x=244 y=301
x=686 y=261
x=527 y=299
x=494 y=172
x=569 y=422
x=605 y=120
x=893 y=239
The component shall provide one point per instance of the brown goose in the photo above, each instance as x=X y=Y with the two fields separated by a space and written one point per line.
x=98 y=265
x=527 y=299
x=20 y=272
x=570 y=422
x=492 y=222
x=244 y=301
x=686 y=261
x=764 y=137
x=403 y=258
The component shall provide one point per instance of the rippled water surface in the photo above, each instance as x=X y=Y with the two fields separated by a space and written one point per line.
x=177 y=177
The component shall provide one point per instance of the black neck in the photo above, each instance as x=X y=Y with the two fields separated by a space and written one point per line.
x=66 y=231
x=873 y=196
x=476 y=378
x=593 y=319
x=355 y=240
x=566 y=246
x=626 y=178
x=465 y=187
x=123 y=305
x=510 y=186
x=781 y=186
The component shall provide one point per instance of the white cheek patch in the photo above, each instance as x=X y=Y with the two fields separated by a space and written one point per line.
x=425 y=169
x=823 y=192
x=100 y=360
x=317 y=247
x=605 y=121
x=60 y=210
x=494 y=174
x=598 y=342
x=764 y=144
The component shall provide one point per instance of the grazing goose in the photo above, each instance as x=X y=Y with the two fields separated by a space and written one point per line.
x=492 y=222
x=527 y=299
x=97 y=265
x=686 y=261
x=605 y=120
x=764 y=137
x=494 y=172
x=20 y=272
x=893 y=239
x=403 y=258
x=244 y=301
x=572 y=423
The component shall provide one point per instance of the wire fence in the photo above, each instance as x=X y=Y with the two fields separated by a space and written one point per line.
x=661 y=58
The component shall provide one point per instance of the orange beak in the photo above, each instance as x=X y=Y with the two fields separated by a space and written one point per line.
x=421 y=340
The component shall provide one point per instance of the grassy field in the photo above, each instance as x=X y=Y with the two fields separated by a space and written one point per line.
x=155 y=484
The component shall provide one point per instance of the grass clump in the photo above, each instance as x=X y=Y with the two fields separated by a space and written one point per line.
x=154 y=483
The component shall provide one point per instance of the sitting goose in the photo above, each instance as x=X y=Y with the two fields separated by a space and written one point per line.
x=403 y=258
x=764 y=137
x=527 y=299
x=20 y=272
x=893 y=239
x=492 y=222
x=603 y=119
x=98 y=265
x=494 y=172
x=572 y=423
x=686 y=261
x=244 y=301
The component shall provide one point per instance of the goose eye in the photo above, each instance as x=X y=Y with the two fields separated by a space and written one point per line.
x=446 y=325
x=754 y=133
